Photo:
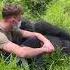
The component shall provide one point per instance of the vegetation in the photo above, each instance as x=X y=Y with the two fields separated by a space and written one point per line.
x=57 y=12
x=55 y=61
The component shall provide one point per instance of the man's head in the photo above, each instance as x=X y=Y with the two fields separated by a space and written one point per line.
x=12 y=13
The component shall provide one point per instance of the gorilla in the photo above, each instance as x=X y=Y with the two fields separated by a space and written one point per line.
x=57 y=36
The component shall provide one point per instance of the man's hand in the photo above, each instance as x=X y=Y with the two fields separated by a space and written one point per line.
x=48 y=47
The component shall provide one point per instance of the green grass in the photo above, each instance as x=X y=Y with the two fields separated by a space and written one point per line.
x=55 y=61
x=1 y=5
x=10 y=63
x=58 y=61
x=58 y=13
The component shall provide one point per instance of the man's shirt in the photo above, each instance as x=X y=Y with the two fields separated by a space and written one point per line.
x=13 y=36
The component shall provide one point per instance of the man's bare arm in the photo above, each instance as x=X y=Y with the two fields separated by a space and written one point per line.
x=23 y=51
x=31 y=34
x=26 y=33
x=45 y=41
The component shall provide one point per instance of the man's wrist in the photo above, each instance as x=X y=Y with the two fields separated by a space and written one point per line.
x=43 y=50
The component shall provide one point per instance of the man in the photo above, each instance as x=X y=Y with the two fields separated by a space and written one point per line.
x=9 y=30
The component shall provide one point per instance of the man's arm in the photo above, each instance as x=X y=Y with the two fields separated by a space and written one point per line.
x=27 y=34
x=45 y=41
x=23 y=51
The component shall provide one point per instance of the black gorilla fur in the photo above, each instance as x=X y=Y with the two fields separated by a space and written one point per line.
x=57 y=36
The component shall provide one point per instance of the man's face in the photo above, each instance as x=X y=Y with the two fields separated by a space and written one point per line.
x=15 y=20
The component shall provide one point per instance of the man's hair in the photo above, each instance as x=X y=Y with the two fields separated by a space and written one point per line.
x=10 y=10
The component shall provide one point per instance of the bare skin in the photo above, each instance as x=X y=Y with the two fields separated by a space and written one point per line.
x=24 y=51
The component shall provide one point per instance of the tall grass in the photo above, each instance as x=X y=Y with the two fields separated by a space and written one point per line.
x=58 y=13
x=55 y=61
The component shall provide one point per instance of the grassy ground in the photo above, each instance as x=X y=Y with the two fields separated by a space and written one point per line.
x=55 y=61
x=58 y=13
